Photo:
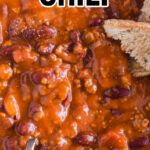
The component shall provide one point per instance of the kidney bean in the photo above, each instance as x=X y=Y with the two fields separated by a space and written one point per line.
x=88 y=58
x=75 y=36
x=29 y=34
x=44 y=61
x=11 y=106
x=5 y=121
x=139 y=142
x=35 y=111
x=41 y=32
x=10 y=143
x=95 y=22
x=24 y=128
x=46 y=32
x=25 y=76
x=6 y=72
x=16 y=26
x=86 y=139
x=6 y=51
x=117 y=92
x=115 y=112
x=45 y=47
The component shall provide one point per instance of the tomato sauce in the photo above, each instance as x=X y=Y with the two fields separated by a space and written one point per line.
x=65 y=83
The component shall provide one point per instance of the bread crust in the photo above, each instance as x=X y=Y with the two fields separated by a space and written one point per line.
x=126 y=24
x=134 y=37
x=145 y=11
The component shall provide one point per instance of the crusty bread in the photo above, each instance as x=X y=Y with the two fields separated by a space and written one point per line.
x=136 y=69
x=134 y=36
x=145 y=11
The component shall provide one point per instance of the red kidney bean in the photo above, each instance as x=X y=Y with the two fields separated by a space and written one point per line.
x=24 y=128
x=35 y=111
x=86 y=139
x=41 y=32
x=87 y=59
x=70 y=47
x=16 y=26
x=47 y=32
x=10 y=143
x=45 y=47
x=115 y=112
x=6 y=51
x=139 y=142
x=75 y=36
x=25 y=76
x=30 y=34
x=117 y=92
x=95 y=22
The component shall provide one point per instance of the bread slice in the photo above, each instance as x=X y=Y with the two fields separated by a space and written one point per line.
x=145 y=11
x=134 y=36
x=136 y=69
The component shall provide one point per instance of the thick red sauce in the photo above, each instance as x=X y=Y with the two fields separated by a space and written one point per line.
x=65 y=83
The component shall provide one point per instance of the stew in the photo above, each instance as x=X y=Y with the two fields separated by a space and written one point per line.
x=63 y=82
